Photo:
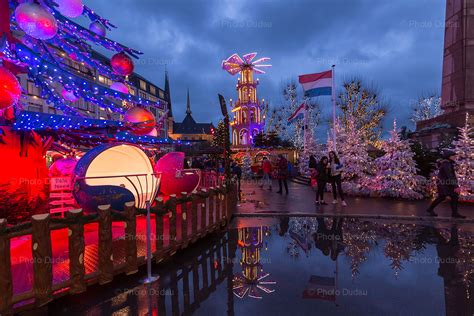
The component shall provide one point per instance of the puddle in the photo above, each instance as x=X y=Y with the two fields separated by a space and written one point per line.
x=303 y=266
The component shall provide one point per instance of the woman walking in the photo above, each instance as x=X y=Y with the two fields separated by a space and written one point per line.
x=336 y=178
x=447 y=185
x=322 y=178
x=282 y=173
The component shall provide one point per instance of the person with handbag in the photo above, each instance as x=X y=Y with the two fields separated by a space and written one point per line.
x=336 y=177
x=322 y=178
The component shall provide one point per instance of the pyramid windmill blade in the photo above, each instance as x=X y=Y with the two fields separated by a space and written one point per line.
x=265 y=289
x=249 y=57
x=235 y=59
x=261 y=60
x=254 y=293
x=259 y=71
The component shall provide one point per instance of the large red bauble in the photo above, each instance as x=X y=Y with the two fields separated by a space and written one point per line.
x=141 y=120
x=10 y=90
x=70 y=8
x=9 y=113
x=122 y=64
x=36 y=21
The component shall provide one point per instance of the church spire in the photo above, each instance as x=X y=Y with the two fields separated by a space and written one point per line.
x=188 y=105
x=168 y=93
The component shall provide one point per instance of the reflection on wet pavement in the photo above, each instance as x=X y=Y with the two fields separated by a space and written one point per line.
x=303 y=266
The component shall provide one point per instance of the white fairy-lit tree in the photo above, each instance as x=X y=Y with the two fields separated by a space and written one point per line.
x=277 y=117
x=464 y=149
x=357 y=100
x=427 y=108
x=351 y=147
x=396 y=170
x=313 y=148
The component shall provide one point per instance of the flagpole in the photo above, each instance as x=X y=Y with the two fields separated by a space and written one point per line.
x=305 y=126
x=333 y=90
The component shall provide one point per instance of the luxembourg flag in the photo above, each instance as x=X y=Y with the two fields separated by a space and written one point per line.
x=317 y=84
x=298 y=114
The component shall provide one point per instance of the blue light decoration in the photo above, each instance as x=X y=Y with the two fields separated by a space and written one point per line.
x=47 y=62
x=85 y=131
x=50 y=122
x=44 y=72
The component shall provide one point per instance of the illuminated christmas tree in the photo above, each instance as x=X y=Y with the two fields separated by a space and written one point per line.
x=247 y=167
x=396 y=170
x=352 y=150
x=312 y=148
x=218 y=139
x=295 y=132
x=464 y=149
x=427 y=108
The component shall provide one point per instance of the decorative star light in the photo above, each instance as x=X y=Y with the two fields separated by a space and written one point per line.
x=235 y=64
x=243 y=287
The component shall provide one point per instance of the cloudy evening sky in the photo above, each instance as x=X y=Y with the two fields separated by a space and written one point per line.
x=395 y=46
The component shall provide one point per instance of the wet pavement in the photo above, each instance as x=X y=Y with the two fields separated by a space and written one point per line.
x=289 y=265
x=301 y=201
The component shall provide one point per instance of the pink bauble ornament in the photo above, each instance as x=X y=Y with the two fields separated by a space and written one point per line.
x=69 y=95
x=73 y=56
x=98 y=28
x=119 y=87
x=175 y=179
x=63 y=168
x=36 y=21
x=122 y=64
x=10 y=90
x=70 y=8
x=141 y=121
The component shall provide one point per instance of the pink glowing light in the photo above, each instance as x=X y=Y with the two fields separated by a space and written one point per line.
x=70 y=8
x=119 y=87
x=235 y=64
x=36 y=21
x=63 y=168
x=175 y=179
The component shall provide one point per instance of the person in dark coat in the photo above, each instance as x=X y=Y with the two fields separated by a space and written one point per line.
x=322 y=178
x=447 y=185
x=282 y=173
x=329 y=241
x=237 y=172
x=313 y=164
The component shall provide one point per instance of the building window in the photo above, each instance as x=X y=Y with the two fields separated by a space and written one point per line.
x=162 y=94
x=105 y=81
x=142 y=95
x=33 y=90
x=152 y=90
x=35 y=108
x=142 y=85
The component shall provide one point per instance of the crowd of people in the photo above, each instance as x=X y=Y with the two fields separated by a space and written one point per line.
x=329 y=170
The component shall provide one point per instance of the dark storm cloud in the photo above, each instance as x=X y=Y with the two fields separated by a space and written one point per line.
x=395 y=46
